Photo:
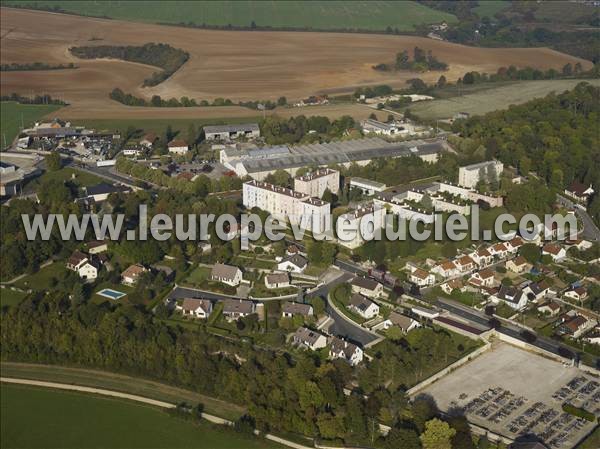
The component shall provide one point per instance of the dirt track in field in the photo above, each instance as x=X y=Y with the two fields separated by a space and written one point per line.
x=230 y=64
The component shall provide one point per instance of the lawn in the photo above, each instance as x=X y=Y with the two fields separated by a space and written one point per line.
x=44 y=278
x=13 y=115
x=489 y=8
x=198 y=275
x=40 y=418
x=77 y=177
x=325 y=15
x=10 y=297
x=488 y=100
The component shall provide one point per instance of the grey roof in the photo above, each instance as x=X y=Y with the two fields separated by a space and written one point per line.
x=222 y=271
x=342 y=152
x=277 y=278
x=103 y=188
x=402 y=321
x=367 y=283
x=338 y=345
x=231 y=128
x=510 y=294
x=192 y=304
x=360 y=302
x=306 y=336
x=296 y=259
x=296 y=308
x=479 y=165
x=237 y=306
x=368 y=182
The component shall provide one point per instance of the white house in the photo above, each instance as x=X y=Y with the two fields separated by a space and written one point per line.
x=277 y=280
x=553 y=250
x=577 y=293
x=97 y=247
x=446 y=269
x=579 y=192
x=499 y=250
x=405 y=323
x=294 y=264
x=367 y=287
x=465 y=264
x=88 y=270
x=309 y=338
x=197 y=308
x=517 y=265
x=453 y=284
x=482 y=257
x=422 y=278
x=483 y=278
x=290 y=309
x=363 y=306
x=132 y=274
x=513 y=297
x=550 y=308
x=227 y=274
x=178 y=146
x=342 y=349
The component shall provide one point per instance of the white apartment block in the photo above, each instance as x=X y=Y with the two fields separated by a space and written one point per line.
x=470 y=175
x=315 y=183
x=298 y=208
x=360 y=225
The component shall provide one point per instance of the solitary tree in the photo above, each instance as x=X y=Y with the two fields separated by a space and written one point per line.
x=438 y=435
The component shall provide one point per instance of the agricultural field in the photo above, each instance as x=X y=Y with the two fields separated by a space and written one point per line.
x=489 y=8
x=13 y=115
x=238 y=65
x=88 y=421
x=323 y=15
x=492 y=98
x=9 y=297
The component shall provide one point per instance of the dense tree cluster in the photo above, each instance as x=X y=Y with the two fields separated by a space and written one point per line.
x=556 y=137
x=294 y=392
x=16 y=67
x=276 y=130
x=159 y=55
x=38 y=99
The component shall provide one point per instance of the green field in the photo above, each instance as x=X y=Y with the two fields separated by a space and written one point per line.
x=494 y=98
x=44 y=279
x=489 y=8
x=77 y=177
x=13 y=114
x=40 y=418
x=323 y=15
x=10 y=297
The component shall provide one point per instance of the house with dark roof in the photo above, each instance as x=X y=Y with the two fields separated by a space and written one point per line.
x=100 y=192
x=579 y=192
x=342 y=349
x=405 y=323
x=178 y=146
x=366 y=286
x=294 y=263
x=308 y=338
x=363 y=306
x=227 y=274
x=290 y=309
x=234 y=309
x=277 y=280
x=511 y=296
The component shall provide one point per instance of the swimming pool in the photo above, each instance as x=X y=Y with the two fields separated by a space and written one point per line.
x=111 y=294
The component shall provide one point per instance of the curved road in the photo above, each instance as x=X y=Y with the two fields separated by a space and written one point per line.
x=136 y=398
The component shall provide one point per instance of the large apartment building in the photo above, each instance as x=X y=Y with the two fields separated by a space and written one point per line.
x=470 y=175
x=362 y=224
x=316 y=182
x=298 y=208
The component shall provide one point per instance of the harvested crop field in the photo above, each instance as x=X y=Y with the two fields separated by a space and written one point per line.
x=240 y=65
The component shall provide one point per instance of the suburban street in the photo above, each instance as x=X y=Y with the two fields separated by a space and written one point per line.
x=590 y=230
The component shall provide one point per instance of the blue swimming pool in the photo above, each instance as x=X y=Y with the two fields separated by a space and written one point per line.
x=111 y=294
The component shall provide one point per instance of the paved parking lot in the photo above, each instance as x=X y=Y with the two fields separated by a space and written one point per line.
x=514 y=392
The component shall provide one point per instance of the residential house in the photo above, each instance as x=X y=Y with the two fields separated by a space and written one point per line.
x=88 y=270
x=367 y=287
x=294 y=263
x=577 y=293
x=536 y=291
x=132 y=274
x=76 y=260
x=148 y=140
x=465 y=264
x=575 y=324
x=96 y=247
x=309 y=338
x=290 y=309
x=363 y=306
x=234 y=309
x=277 y=280
x=550 y=308
x=405 y=323
x=514 y=244
x=422 y=278
x=579 y=192
x=453 y=284
x=499 y=250
x=555 y=251
x=482 y=257
x=178 y=146
x=197 y=308
x=227 y=274
x=517 y=265
x=446 y=269
x=483 y=278
x=342 y=349
x=511 y=296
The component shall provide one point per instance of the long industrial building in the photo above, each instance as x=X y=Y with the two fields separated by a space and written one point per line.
x=260 y=163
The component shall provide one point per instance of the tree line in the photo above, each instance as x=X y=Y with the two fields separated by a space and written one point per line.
x=168 y=58
x=38 y=99
x=16 y=67
x=422 y=61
